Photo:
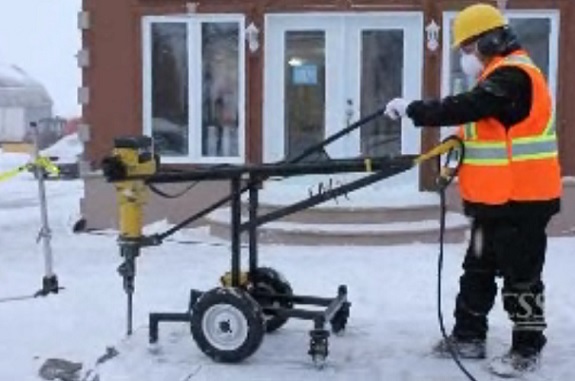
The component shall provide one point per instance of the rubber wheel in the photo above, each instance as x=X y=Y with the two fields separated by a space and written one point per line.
x=269 y=281
x=227 y=324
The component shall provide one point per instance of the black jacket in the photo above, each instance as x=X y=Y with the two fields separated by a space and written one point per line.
x=504 y=95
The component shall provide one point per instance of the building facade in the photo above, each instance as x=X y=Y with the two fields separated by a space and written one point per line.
x=251 y=81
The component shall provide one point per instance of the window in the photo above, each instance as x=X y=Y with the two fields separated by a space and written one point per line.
x=193 y=76
x=537 y=31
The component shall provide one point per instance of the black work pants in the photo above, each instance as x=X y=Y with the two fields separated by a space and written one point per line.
x=513 y=248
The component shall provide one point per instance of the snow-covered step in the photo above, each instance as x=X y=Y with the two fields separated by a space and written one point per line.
x=383 y=202
x=392 y=233
x=355 y=214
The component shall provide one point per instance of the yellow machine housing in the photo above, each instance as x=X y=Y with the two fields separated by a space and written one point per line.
x=136 y=156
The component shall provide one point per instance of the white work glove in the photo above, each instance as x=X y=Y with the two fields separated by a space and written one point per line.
x=396 y=108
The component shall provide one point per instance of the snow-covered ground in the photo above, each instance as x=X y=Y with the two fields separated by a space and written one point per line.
x=393 y=291
x=65 y=150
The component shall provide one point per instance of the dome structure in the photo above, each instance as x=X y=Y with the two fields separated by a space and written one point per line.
x=17 y=88
x=22 y=100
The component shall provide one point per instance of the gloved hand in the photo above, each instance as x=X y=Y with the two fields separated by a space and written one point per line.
x=396 y=108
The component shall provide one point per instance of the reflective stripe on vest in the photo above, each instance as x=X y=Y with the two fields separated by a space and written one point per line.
x=470 y=131
x=536 y=147
x=525 y=148
x=486 y=153
x=551 y=128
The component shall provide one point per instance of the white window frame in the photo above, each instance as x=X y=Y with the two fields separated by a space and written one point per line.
x=552 y=14
x=194 y=23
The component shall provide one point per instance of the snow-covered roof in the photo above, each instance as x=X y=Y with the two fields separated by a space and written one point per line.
x=18 y=89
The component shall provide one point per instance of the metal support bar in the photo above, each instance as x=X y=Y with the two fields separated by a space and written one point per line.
x=235 y=232
x=252 y=226
x=294 y=313
x=50 y=280
x=157 y=317
x=296 y=299
x=319 y=327
x=354 y=126
x=335 y=306
x=333 y=166
x=264 y=171
x=322 y=197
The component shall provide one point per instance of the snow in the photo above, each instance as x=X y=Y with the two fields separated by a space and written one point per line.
x=10 y=160
x=67 y=149
x=392 y=291
x=452 y=220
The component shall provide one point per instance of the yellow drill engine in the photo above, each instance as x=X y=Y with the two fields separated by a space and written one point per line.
x=131 y=162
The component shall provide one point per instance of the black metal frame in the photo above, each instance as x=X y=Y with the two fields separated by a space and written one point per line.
x=380 y=168
x=249 y=178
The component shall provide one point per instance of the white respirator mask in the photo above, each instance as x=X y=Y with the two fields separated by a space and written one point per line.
x=471 y=65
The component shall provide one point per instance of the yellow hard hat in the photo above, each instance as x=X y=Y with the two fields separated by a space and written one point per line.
x=475 y=20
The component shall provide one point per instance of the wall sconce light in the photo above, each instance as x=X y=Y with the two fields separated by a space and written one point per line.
x=252 y=37
x=432 y=32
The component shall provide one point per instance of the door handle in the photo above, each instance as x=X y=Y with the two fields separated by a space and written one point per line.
x=348 y=112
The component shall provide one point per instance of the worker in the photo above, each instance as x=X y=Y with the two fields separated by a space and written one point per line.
x=509 y=181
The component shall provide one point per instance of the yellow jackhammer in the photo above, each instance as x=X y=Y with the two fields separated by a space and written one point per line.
x=132 y=156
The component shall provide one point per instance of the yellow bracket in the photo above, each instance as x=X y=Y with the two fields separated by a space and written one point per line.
x=226 y=279
x=47 y=164
x=368 y=165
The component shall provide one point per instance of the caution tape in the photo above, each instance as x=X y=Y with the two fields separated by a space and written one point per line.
x=42 y=162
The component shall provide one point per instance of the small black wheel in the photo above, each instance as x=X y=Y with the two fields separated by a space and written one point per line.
x=227 y=324
x=265 y=283
x=318 y=347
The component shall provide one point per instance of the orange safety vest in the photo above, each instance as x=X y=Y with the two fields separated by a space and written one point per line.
x=519 y=164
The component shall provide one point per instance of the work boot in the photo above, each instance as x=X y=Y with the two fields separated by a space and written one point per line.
x=465 y=348
x=514 y=364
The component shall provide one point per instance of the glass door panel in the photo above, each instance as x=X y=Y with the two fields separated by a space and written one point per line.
x=381 y=79
x=304 y=69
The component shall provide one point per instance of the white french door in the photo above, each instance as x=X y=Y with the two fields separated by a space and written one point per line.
x=326 y=71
